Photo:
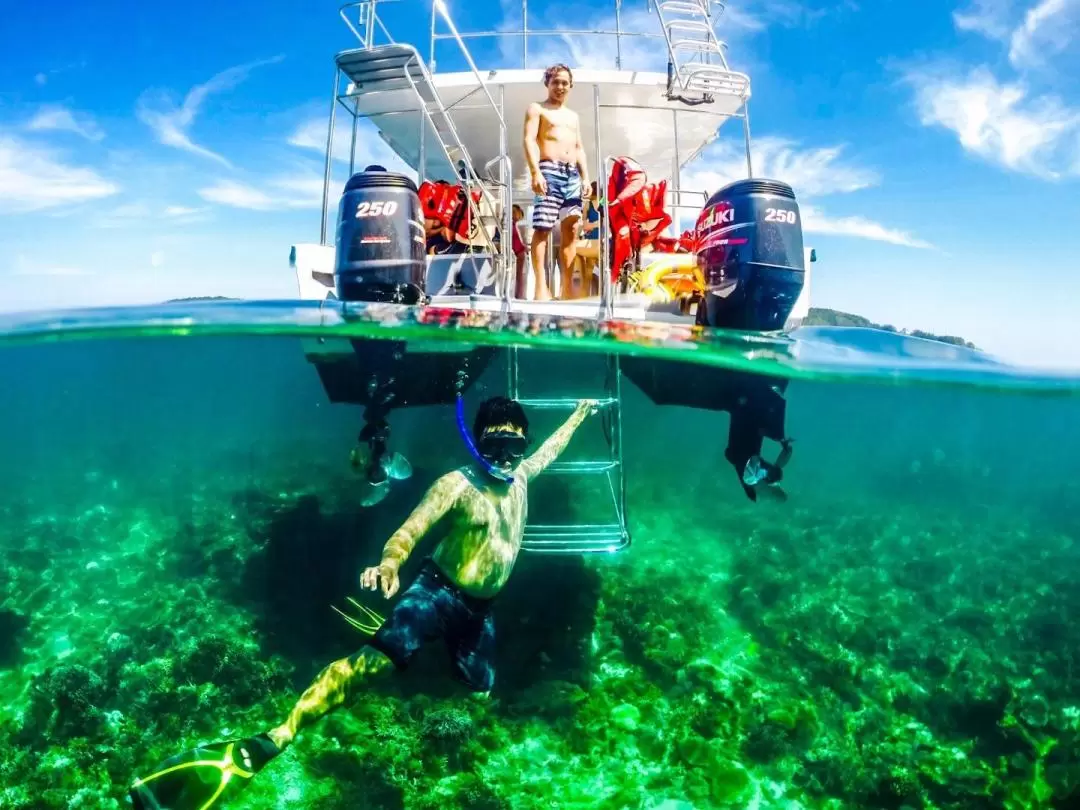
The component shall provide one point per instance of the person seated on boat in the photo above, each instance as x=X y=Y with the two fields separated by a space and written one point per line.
x=592 y=215
x=558 y=173
x=452 y=597
x=519 y=253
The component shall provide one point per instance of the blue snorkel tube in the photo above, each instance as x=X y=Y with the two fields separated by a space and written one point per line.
x=488 y=467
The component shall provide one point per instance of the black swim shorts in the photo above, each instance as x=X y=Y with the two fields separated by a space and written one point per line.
x=431 y=607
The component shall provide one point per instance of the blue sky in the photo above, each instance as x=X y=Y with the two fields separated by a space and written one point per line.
x=150 y=151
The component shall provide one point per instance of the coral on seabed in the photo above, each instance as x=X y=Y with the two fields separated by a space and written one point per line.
x=861 y=659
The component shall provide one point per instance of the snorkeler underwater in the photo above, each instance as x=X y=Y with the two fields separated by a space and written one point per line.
x=487 y=503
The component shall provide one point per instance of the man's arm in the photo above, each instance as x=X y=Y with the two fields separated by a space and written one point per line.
x=583 y=167
x=556 y=442
x=531 y=140
x=436 y=502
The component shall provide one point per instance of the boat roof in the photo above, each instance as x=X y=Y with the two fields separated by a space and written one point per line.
x=635 y=116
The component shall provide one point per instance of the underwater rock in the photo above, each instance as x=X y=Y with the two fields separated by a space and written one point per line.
x=238 y=672
x=1035 y=710
x=12 y=627
x=447 y=726
x=727 y=782
x=66 y=702
x=900 y=789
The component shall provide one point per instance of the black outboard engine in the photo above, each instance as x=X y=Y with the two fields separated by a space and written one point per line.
x=381 y=259
x=380 y=240
x=750 y=250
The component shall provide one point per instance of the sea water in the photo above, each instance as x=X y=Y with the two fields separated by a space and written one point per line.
x=178 y=514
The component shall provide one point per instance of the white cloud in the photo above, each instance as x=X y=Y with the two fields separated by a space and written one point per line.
x=734 y=24
x=990 y=18
x=157 y=258
x=181 y=211
x=817 y=221
x=26 y=267
x=55 y=117
x=237 y=195
x=1001 y=123
x=33 y=178
x=370 y=147
x=171 y=123
x=1047 y=30
x=810 y=172
x=282 y=193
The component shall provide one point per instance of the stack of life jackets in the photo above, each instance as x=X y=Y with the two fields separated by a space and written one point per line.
x=446 y=205
x=635 y=210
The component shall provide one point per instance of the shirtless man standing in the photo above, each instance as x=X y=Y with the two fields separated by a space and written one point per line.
x=559 y=176
x=451 y=597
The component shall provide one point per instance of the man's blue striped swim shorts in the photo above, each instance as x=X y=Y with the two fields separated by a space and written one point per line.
x=434 y=607
x=562 y=198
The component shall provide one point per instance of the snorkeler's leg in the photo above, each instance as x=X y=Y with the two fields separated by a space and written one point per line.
x=413 y=621
x=334 y=686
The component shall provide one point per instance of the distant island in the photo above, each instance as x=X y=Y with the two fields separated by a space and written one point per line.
x=831 y=317
x=201 y=298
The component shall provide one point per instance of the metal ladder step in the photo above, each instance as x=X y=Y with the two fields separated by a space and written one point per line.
x=583 y=538
x=581 y=467
x=694 y=45
x=682 y=7
x=577 y=539
x=699 y=26
x=563 y=402
x=710 y=78
x=381 y=68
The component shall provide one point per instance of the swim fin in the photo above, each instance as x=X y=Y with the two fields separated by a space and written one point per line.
x=199 y=778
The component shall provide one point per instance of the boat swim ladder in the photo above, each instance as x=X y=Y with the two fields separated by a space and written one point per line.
x=583 y=538
x=374 y=68
x=697 y=63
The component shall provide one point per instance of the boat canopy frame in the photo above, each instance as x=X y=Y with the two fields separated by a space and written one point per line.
x=419 y=75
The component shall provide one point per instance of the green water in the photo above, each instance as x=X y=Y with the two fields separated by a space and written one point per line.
x=178 y=513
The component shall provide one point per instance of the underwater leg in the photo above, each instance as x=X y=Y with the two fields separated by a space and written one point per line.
x=333 y=687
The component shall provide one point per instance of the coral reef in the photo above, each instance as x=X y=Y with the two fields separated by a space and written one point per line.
x=866 y=657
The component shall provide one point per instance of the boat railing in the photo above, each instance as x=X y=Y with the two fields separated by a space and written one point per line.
x=371 y=30
x=370 y=26
x=524 y=34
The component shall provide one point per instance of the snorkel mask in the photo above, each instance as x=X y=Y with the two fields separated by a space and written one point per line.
x=498 y=448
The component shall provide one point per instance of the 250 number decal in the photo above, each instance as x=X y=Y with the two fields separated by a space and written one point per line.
x=376 y=209
x=780 y=215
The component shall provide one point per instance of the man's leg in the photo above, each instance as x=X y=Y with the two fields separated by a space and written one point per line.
x=335 y=685
x=541 y=290
x=567 y=254
x=414 y=620
x=471 y=644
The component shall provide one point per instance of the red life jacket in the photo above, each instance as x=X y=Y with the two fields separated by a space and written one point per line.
x=446 y=204
x=635 y=209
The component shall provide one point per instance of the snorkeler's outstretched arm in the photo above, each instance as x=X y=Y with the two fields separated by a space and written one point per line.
x=437 y=501
x=553 y=447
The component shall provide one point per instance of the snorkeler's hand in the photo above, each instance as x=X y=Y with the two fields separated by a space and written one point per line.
x=589 y=406
x=387 y=573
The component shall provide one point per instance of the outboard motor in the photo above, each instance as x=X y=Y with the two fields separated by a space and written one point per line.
x=380 y=245
x=750 y=251
x=380 y=258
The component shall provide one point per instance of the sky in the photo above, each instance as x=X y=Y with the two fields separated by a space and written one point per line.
x=150 y=151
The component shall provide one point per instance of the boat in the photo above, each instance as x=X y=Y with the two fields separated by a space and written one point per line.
x=460 y=129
